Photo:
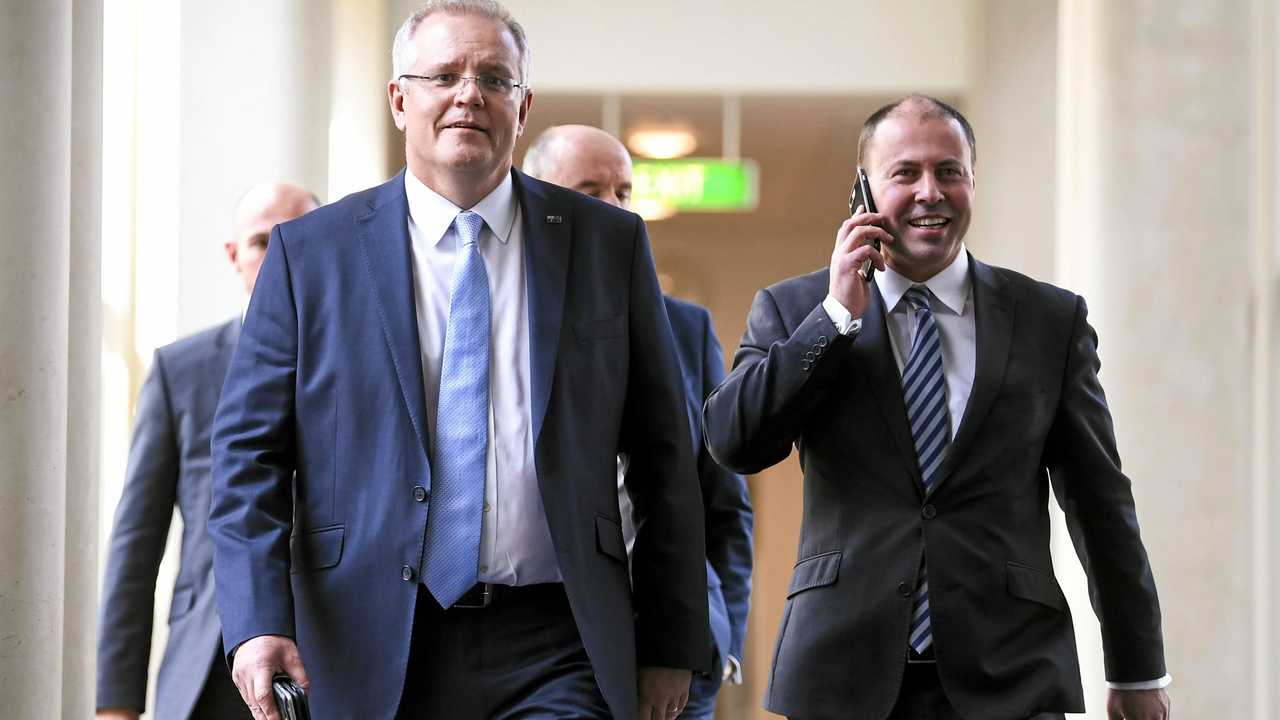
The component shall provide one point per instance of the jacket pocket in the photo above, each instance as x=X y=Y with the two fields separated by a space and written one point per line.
x=609 y=539
x=316 y=549
x=1036 y=585
x=600 y=329
x=183 y=599
x=815 y=571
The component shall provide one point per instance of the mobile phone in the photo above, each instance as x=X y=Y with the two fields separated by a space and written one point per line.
x=861 y=195
x=291 y=701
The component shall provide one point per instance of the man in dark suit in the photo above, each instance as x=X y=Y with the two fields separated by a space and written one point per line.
x=414 y=507
x=933 y=408
x=592 y=161
x=168 y=466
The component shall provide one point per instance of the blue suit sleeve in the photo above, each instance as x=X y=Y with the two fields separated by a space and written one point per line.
x=728 y=510
x=669 y=576
x=136 y=547
x=253 y=449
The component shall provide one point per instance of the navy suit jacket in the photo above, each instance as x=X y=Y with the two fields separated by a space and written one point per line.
x=1036 y=419
x=724 y=494
x=168 y=466
x=327 y=383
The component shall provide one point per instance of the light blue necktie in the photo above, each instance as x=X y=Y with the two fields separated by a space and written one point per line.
x=452 y=551
x=924 y=388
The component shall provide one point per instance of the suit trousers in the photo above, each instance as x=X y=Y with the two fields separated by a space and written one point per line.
x=921 y=697
x=519 y=657
x=220 y=700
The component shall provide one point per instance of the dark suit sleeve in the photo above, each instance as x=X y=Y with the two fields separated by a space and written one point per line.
x=1096 y=497
x=728 y=509
x=669 y=577
x=136 y=548
x=253 y=463
x=753 y=418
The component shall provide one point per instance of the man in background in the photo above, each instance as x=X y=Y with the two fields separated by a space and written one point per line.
x=169 y=466
x=593 y=162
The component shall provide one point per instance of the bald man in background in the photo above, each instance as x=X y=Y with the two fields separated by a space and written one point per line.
x=591 y=161
x=168 y=467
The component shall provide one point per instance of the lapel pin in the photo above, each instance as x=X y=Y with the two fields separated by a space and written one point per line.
x=554 y=219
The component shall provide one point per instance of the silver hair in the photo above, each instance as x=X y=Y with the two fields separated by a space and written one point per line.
x=404 y=53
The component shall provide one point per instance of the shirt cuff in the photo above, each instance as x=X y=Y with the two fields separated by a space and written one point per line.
x=1144 y=685
x=732 y=670
x=845 y=322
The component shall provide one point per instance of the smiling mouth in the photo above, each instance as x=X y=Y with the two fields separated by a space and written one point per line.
x=929 y=222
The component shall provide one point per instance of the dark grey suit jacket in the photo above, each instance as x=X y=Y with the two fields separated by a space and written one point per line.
x=168 y=466
x=1036 y=418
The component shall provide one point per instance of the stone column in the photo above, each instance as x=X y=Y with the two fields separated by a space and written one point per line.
x=1166 y=160
x=252 y=104
x=360 y=126
x=50 y=189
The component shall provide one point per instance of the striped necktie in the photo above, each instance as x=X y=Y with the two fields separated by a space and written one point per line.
x=452 y=546
x=924 y=388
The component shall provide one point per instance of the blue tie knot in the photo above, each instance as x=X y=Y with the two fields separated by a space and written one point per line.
x=918 y=296
x=469 y=225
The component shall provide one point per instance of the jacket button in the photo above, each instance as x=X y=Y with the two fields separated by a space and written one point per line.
x=419 y=493
x=406 y=573
x=805 y=365
x=904 y=589
x=929 y=512
x=810 y=356
x=822 y=340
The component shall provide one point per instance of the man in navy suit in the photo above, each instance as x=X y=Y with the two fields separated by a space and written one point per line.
x=591 y=161
x=168 y=466
x=933 y=408
x=414 y=507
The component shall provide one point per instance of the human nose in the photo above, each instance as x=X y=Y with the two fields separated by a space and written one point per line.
x=468 y=91
x=928 y=190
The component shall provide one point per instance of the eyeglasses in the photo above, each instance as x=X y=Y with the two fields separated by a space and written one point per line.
x=488 y=84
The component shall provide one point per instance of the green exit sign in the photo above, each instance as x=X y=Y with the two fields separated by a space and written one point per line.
x=697 y=184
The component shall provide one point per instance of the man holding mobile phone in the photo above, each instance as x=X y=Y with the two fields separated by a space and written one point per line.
x=934 y=407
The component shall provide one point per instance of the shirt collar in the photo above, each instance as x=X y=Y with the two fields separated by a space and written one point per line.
x=951 y=286
x=433 y=214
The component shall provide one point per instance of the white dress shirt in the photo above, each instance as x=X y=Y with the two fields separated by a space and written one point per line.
x=515 y=542
x=952 y=305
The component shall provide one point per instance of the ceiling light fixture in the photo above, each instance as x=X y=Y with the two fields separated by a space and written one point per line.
x=662 y=141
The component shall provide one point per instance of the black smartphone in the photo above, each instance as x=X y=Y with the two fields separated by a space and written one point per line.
x=291 y=701
x=861 y=196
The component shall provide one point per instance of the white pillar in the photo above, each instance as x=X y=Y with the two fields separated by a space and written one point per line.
x=360 y=128
x=50 y=189
x=1160 y=227
x=252 y=104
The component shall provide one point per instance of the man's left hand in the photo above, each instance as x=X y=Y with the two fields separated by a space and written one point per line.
x=663 y=692
x=1137 y=705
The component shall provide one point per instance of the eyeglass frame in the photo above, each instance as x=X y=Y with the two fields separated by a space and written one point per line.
x=475 y=79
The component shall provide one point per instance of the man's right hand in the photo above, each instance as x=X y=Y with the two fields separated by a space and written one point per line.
x=116 y=714
x=853 y=248
x=257 y=660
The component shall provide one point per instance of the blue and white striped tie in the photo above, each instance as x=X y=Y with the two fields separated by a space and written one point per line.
x=452 y=551
x=924 y=388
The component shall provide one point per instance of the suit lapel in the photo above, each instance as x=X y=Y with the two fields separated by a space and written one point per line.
x=993 y=315
x=548 y=229
x=384 y=244
x=874 y=359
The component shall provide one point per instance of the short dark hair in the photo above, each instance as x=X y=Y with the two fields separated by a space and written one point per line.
x=935 y=109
